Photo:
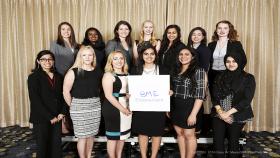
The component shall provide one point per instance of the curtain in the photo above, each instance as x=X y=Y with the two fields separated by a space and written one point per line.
x=28 y=26
x=257 y=23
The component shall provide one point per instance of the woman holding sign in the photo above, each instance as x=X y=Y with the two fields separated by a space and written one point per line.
x=148 y=124
x=189 y=84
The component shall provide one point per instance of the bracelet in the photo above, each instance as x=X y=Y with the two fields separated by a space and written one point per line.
x=219 y=110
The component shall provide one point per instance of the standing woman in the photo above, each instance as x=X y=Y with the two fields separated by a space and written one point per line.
x=224 y=40
x=147 y=36
x=170 y=46
x=148 y=124
x=47 y=105
x=198 y=40
x=189 y=85
x=94 y=38
x=233 y=92
x=122 y=41
x=81 y=92
x=115 y=109
x=65 y=49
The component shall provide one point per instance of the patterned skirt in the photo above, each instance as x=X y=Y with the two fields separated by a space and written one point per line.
x=85 y=114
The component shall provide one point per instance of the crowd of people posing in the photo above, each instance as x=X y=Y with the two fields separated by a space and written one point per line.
x=89 y=81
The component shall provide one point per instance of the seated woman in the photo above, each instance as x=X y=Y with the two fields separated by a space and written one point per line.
x=233 y=92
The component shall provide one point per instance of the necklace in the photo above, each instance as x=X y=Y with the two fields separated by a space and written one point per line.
x=150 y=71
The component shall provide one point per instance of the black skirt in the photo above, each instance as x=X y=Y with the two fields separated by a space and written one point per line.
x=180 y=112
x=148 y=123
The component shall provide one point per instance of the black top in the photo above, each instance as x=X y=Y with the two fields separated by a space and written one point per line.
x=45 y=94
x=232 y=47
x=86 y=83
x=242 y=98
x=167 y=57
x=100 y=57
x=204 y=56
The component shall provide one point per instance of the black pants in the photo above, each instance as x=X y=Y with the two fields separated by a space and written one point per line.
x=232 y=131
x=212 y=74
x=48 y=139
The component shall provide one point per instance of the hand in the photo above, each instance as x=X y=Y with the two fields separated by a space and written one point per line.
x=224 y=115
x=228 y=120
x=171 y=92
x=127 y=96
x=126 y=111
x=54 y=120
x=191 y=120
x=168 y=114
x=60 y=117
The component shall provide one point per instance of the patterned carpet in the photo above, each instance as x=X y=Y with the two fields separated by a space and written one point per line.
x=16 y=142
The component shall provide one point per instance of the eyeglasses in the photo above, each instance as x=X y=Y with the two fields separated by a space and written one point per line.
x=46 y=60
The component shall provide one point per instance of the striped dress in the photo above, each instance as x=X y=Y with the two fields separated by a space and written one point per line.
x=85 y=109
x=117 y=124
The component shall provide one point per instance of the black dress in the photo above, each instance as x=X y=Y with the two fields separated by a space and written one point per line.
x=149 y=123
x=117 y=125
x=183 y=97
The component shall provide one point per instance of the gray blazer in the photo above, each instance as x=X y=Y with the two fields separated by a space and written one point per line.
x=113 y=45
x=64 y=57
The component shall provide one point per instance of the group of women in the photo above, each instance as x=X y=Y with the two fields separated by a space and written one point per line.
x=191 y=67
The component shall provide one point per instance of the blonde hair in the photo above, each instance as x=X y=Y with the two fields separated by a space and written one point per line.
x=109 y=65
x=153 y=40
x=79 y=61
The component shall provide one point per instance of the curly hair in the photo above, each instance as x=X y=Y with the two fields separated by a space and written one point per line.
x=232 y=35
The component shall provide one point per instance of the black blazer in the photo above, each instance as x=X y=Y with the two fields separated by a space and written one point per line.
x=204 y=56
x=167 y=58
x=45 y=102
x=232 y=46
x=241 y=100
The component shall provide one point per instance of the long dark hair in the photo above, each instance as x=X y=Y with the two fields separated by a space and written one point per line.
x=60 y=39
x=140 y=60
x=39 y=55
x=204 y=40
x=99 y=44
x=190 y=72
x=128 y=39
x=165 y=41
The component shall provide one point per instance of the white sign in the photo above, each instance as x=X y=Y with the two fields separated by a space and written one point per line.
x=149 y=92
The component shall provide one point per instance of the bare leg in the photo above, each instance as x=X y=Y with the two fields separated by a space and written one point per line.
x=119 y=148
x=89 y=146
x=143 y=143
x=191 y=142
x=181 y=141
x=155 y=146
x=111 y=148
x=81 y=146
